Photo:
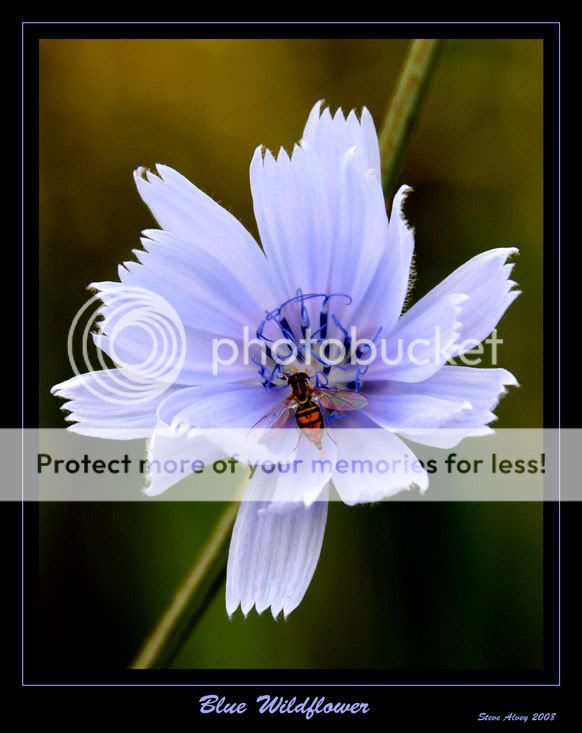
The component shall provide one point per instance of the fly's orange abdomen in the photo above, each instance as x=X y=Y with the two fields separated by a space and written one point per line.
x=311 y=422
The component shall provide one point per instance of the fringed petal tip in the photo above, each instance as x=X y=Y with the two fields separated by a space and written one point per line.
x=329 y=135
x=354 y=159
x=140 y=173
x=511 y=251
x=258 y=157
x=420 y=489
x=275 y=612
x=56 y=391
x=321 y=107
x=70 y=388
x=317 y=108
x=149 y=491
x=508 y=379
x=277 y=576
x=104 y=287
x=403 y=192
x=398 y=202
x=77 y=427
x=143 y=174
x=259 y=609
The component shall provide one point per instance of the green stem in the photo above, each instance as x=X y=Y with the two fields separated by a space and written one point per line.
x=404 y=107
x=191 y=598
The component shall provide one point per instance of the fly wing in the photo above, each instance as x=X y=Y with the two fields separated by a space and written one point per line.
x=275 y=418
x=341 y=399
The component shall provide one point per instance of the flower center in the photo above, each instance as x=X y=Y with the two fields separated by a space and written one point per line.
x=306 y=333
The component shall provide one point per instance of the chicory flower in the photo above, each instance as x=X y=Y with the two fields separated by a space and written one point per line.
x=334 y=265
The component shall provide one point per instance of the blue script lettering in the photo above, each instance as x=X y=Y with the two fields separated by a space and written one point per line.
x=214 y=704
x=309 y=706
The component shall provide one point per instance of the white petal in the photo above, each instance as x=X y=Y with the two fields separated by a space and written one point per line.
x=309 y=471
x=360 y=240
x=305 y=204
x=422 y=341
x=273 y=555
x=172 y=456
x=485 y=280
x=110 y=404
x=241 y=406
x=330 y=137
x=186 y=212
x=482 y=388
x=206 y=268
x=206 y=290
x=191 y=347
x=292 y=211
x=376 y=465
x=399 y=412
x=186 y=423
x=381 y=303
x=180 y=400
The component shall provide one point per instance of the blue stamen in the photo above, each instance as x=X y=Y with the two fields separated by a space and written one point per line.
x=323 y=319
x=305 y=320
x=283 y=316
x=283 y=324
x=321 y=379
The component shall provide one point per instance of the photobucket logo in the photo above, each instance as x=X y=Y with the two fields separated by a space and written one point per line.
x=352 y=351
x=144 y=336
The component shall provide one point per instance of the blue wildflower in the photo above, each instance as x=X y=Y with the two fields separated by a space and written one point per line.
x=332 y=264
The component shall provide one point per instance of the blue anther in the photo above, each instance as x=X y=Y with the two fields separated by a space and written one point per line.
x=282 y=317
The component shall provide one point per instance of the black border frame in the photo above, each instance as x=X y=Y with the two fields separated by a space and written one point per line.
x=550 y=33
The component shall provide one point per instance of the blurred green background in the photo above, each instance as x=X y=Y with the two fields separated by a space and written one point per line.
x=399 y=585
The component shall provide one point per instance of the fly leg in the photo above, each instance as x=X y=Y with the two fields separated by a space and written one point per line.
x=298 y=439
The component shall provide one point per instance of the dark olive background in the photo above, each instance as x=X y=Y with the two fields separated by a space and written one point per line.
x=399 y=585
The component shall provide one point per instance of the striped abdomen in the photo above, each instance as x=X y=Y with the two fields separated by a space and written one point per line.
x=310 y=420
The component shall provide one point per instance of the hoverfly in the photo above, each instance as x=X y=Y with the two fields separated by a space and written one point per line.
x=306 y=402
